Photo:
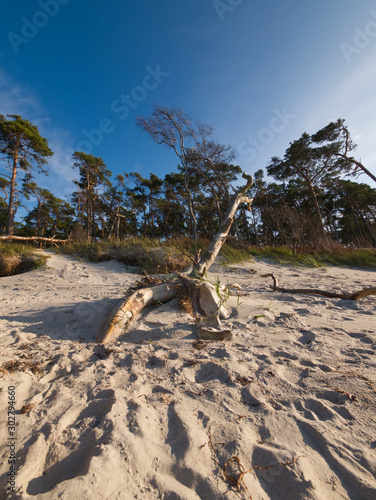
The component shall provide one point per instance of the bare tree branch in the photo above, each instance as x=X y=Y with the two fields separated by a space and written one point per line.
x=365 y=292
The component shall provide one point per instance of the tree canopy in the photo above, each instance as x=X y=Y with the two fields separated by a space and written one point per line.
x=310 y=199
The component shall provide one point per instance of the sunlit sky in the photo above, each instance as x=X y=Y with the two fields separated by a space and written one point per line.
x=261 y=72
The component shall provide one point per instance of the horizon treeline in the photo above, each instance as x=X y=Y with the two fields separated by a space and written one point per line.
x=312 y=199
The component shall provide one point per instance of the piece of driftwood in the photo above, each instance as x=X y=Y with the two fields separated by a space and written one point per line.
x=123 y=313
x=365 y=292
x=210 y=333
x=32 y=238
x=206 y=303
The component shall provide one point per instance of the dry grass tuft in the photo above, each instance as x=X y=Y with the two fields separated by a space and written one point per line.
x=151 y=255
x=17 y=259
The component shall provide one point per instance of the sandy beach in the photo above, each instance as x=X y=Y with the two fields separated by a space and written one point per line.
x=284 y=410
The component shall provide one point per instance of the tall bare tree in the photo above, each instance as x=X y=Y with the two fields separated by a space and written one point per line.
x=175 y=129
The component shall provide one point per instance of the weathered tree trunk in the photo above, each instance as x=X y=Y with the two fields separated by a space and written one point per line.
x=207 y=306
x=191 y=212
x=88 y=208
x=216 y=244
x=318 y=210
x=12 y=190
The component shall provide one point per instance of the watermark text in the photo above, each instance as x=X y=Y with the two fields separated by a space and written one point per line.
x=362 y=38
x=254 y=144
x=12 y=438
x=122 y=107
x=31 y=27
x=222 y=7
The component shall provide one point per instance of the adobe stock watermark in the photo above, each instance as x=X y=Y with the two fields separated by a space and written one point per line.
x=265 y=136
x=361 y=40
x=122 y=107
x=223 y=6
x=31 y=27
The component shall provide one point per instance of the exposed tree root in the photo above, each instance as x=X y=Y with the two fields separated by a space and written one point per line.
x=365 y=292
x=205 y=299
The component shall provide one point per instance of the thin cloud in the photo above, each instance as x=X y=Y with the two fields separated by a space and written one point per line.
x=16 y=99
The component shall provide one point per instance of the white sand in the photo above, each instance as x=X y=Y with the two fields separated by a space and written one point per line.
x=152 y=417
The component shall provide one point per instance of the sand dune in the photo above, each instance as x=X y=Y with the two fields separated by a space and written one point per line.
x=290 y=401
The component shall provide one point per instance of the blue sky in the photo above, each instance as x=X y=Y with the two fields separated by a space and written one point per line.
x=261 y=72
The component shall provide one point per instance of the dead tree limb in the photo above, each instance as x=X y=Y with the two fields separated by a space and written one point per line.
x=32 y=238
x=211 y=253
x=365 y=292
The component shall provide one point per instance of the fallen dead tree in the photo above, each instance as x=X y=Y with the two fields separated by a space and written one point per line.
x=122 y=314
x=206 y=300
x=365 y=292
x=32 y=238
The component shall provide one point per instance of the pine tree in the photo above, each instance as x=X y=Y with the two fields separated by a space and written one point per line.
x=23 y=147
x=93 y=173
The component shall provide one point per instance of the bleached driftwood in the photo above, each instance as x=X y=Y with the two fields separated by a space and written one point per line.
x=122 y=314
x=365 y=292
x=206 y=303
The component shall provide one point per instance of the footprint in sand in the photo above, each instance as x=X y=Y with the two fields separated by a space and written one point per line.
x=212 y=371
x=351 y=466
x=365 y=353
x=308 y=337
x=314 y=409
x=63 y=455
x=289 y=483
x=366 y=339
x=132 y=417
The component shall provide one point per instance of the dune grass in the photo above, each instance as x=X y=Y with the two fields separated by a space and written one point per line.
x=363 y=258
x=177 y=254
x=164 y=257
x=141 y=252
x=16 y=258
x=173 y=254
